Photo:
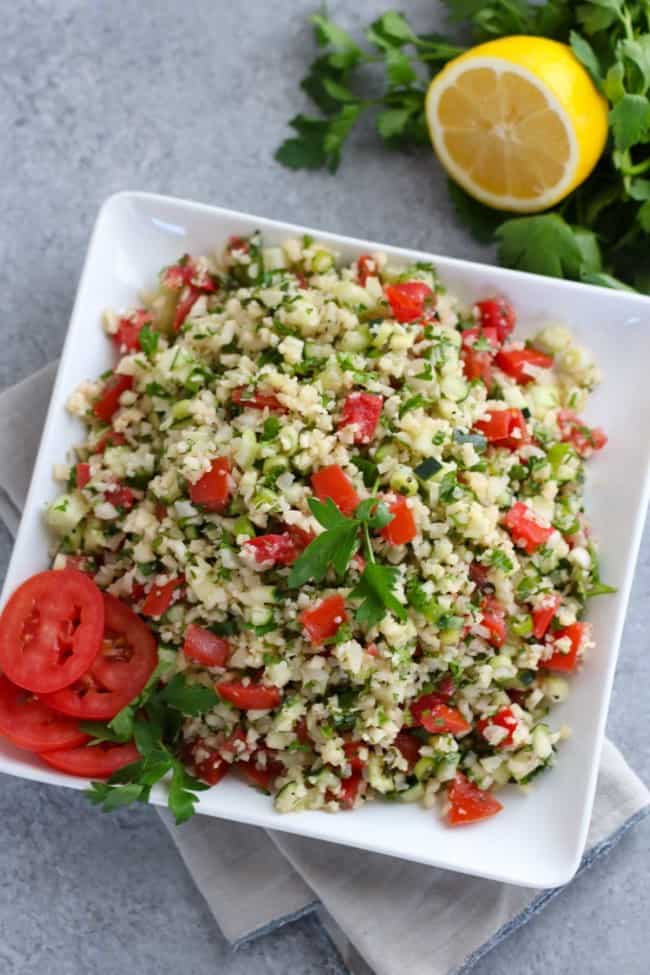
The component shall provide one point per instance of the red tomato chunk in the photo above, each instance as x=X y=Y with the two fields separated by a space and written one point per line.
x=431 y=712
x=498 y=315
x=204 y=647
x=504 y=428
x=522 y=363
x=407 y=300
x=543 y=615
x=468 y=803
x=108 y=401
x=502 y=719
x=361 y=410
x=526 y=531
x=213 y=490
x=402 y=528
x=160 y=598
x=577 y=634
x=280 y=549
x=249 y=697
x=584 y=440
x=323 y=620
x=332 y=482
x=258 y=401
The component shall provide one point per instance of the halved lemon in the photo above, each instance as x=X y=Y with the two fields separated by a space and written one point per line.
x=517 y=122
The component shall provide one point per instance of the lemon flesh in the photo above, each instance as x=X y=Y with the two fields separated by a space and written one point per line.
x=517 y=122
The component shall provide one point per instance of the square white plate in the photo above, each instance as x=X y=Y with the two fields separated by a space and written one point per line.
x=538 y=839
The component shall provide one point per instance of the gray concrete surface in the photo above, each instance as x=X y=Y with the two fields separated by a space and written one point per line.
x=190 y=98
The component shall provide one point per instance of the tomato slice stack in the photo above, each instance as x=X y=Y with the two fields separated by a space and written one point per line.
x=70 y=652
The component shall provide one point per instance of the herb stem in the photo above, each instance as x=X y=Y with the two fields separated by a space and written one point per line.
x=367 y=547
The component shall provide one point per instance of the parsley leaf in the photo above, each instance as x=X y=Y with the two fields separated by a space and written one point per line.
x=190 y=699
x=630 y=121
x=376 y=591
x=543 y=244
x=148 y=339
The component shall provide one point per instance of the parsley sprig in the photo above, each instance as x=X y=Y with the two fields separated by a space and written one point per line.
x=599 y=232
x=335 y=548
x=154 y=722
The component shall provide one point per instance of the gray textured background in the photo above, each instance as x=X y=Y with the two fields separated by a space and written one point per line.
x=190 y=98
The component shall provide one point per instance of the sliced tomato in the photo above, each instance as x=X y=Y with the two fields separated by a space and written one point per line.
x=543 y=615
x=323 y=620
x=81 y=475
x=498 y=315
x=407 y=299
x=493 y=619
x=409 y=746
x=51 y=630
x=127 y=336
x=28 y=723
x=121 y=497
x=249 y=697
x=468 y=803
x=432 y=713
x=92 y=761
x=204 y=647
x=584 y=439
x=280 y=549
x=119 y=672
x=108 y=401
x=261 y=776
x=517 y=363
x=159 y=598
x=361 y=410
x=366 y=268
x=502 y=719
x=351 y=749
x=109 y=439
x=402 y=528
x=525 y=529
x=258 y=401
x=213 y=490
x=207 y=763
x=332 y=482
x=577 y=633
x=504 y=428
x=477 y=365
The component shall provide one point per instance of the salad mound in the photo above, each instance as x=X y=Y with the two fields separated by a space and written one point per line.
x=351 y=511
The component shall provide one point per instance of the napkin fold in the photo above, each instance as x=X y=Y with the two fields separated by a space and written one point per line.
x=382 y=913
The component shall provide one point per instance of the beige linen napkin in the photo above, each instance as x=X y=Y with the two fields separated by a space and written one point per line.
x=381 y=912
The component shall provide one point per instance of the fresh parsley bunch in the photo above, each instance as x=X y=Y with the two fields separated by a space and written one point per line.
x=601 y=233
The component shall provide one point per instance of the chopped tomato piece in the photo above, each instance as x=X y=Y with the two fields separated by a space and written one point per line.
x=543 y=615
x=504 y=428
x=160 y=598
x=204 y=647
x=186 y=273
x=366 y=268
x=332 y=482
x=249 y=697
x=108 y=401
x=127 y=336
x=301 y=538
x=446 y=687
x=477 y=365
x=402 y=528
x=470 y=336
x=351 y=749
x=576 y=634
x=518 y=362
x=258 y=401
x=230 y=748
x=160 y=511
x=323 y=620
x=110 y=439
x=28 y=723
x=302 y=732
x=502 y=719
x=185 y=305
x=236 y=243
x=437 y=717
x=409 y=746
x=350 y=789
x=525 y=529
x=82 y=475
x=498 y=315
x=478 y=573
x=261 y=776
x=407 y=299
x=584 y=440
x=493 y=619
x=206 y=762
x=468 y=803
x=361 y=410
x=121 y=497
x=277 y=549
x=92 y=761
x=212 y=491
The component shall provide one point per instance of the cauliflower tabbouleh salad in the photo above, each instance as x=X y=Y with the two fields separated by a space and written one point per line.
x=332 y=527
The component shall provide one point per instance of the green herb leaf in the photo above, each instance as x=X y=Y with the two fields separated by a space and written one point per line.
x=148 y=341
x=191 y=699
x=587 y=56
x=376 y=590
x=630 y=121
x=542 y=244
